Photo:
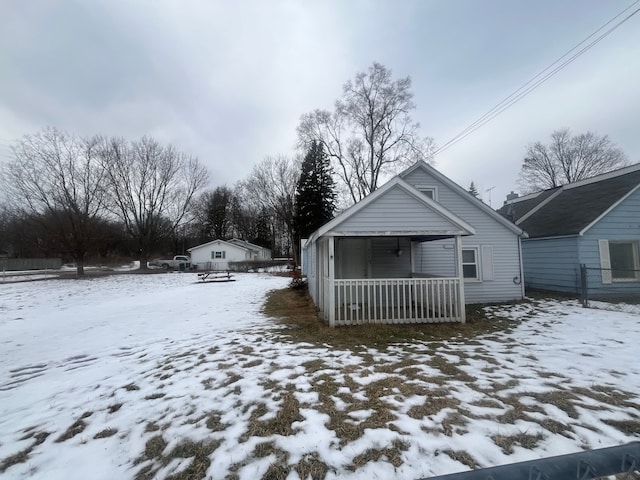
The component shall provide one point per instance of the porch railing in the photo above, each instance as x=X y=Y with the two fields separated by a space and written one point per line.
x=396 y=300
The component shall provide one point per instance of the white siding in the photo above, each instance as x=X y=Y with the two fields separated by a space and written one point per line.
x=438 y=257
x=201 y=256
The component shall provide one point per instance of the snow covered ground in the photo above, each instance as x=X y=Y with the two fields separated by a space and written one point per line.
x=157 y=376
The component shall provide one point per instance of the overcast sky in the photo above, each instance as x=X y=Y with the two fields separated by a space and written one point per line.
x=228 y=81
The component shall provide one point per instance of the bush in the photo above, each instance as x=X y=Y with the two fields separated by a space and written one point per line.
x=297 y=281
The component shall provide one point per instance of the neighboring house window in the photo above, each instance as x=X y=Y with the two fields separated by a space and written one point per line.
x=624 y=260
x=470 y=268
x=218 y=254
x=431 y=192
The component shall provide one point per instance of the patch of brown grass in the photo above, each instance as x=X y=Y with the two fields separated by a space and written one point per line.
x=23 y=455
x=628 y=427
x=107 y=432
x=525 y=440
x=295 y=309
x=392 y=455
x=281 y=424
x=114 y=408
x=432 y=406
x=311 y=466
x=562 y=399
x=154 y=396
x=463 y=457
x=214 y=422
x=75 y=428
x=198 y=451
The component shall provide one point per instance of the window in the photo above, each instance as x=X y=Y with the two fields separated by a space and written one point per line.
x=218 y=254
x=470 y=263
x=624 y=260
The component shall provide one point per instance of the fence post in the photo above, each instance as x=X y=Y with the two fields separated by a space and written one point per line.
x=584 y=285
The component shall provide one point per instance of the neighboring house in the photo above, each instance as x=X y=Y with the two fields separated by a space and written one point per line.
x=259 y=253
x=593 y=222
x=217 y=255
x=413 y=251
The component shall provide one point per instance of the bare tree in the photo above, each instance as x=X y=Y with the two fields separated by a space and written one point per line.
x=151 y=188
x=57 y=179
x=272 y=187
x=370 y=133
x=215 y=212
x=568 y=158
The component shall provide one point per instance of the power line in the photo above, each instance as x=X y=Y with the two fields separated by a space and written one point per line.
x=539 y=79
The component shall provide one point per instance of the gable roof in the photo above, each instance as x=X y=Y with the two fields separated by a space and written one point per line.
x=220 y=242
x=465 y=194
x=244 y=243
x=573 y=208
x=461 y=227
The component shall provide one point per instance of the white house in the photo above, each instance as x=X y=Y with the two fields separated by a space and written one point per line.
x=217 y=254
x=415 y=250
x=259 y=253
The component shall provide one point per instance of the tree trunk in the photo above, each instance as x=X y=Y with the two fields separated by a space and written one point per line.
x=144 y=259
x=80 y=267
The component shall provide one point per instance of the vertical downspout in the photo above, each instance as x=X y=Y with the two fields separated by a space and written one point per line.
x=332 y=288
x=463 y=316
x=521 y=266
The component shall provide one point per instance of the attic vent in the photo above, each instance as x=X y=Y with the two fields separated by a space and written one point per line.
x=429 y=191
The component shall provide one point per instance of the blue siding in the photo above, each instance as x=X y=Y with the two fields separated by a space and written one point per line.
x=621 y=223
x=552 y=264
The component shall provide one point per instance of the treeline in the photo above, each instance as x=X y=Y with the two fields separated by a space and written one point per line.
x=98 y=199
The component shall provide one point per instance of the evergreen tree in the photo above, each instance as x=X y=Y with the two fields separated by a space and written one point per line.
x=473 y=190
x=315 y=193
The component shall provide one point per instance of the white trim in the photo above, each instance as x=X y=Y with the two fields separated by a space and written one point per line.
x=465 y=194
x=215 y=242
x=399 y=233
x=636 y=261
x=608 y=210
x=396 y=181
x=605 y=261
x=535 y=239
x=476 y=254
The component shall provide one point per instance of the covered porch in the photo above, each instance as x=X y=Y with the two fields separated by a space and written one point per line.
x=375 y=280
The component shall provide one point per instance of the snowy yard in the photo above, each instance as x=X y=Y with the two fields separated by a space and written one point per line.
x=156 y=376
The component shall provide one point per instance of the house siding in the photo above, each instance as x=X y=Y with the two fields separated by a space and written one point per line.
x=438 y=257
x=552 y=264
x=621 y=223
x=201 y=255
x=397 y=211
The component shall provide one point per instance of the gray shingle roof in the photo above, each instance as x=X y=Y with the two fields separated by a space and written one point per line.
x=573 y=207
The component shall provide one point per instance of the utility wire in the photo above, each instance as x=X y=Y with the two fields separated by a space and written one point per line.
x=538 y=79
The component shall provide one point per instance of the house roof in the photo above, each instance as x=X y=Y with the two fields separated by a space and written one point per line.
x=465 y=194
x=244 y=243
x=217 y=241
x=459 y=226
x=573 y=208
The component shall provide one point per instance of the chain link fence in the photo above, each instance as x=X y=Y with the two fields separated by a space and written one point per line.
x=609 y=285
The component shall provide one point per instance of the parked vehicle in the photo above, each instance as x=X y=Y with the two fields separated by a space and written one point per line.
x=181 y=262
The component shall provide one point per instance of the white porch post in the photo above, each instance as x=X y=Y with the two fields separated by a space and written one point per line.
x=463 y=315
x=332 y=288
